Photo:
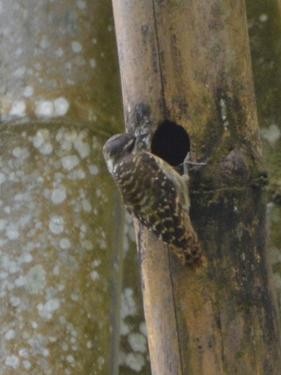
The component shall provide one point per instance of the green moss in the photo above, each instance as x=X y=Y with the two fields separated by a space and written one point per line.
x=276 y=268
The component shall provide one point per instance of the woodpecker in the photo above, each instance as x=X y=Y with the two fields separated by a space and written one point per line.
x=155 y=193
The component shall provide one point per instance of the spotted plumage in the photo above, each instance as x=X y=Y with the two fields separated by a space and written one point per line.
x=154 y=193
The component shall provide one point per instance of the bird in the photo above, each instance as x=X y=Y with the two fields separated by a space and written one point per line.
x=155 y=193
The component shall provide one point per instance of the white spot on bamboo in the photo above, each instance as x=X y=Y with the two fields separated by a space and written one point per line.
x=12 y=361
x=35 y=280
x=56 y=224
x=58 y=195
x=18 y=109
x=69 y=162
x=76 y=47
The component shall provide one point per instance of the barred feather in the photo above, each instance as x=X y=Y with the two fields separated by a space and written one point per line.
x=155 y=194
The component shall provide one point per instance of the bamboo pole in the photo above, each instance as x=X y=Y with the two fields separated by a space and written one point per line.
x=189 y=62
x=59 y=244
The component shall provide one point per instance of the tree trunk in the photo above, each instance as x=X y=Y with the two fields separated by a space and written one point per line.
x=189 y=63
x=60 y=245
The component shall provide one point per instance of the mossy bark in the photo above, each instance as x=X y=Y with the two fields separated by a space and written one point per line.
x=265 y=37
x=265 y=30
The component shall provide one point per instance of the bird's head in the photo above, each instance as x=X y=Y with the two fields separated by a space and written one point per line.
x=117 y=148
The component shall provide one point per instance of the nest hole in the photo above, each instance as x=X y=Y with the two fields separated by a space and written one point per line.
x=170 y=142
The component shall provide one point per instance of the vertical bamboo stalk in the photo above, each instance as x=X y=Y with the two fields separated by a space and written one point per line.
x=59 y=243
x=189 y=62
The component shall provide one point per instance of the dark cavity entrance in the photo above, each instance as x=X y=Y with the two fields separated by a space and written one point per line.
x=170 y=142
